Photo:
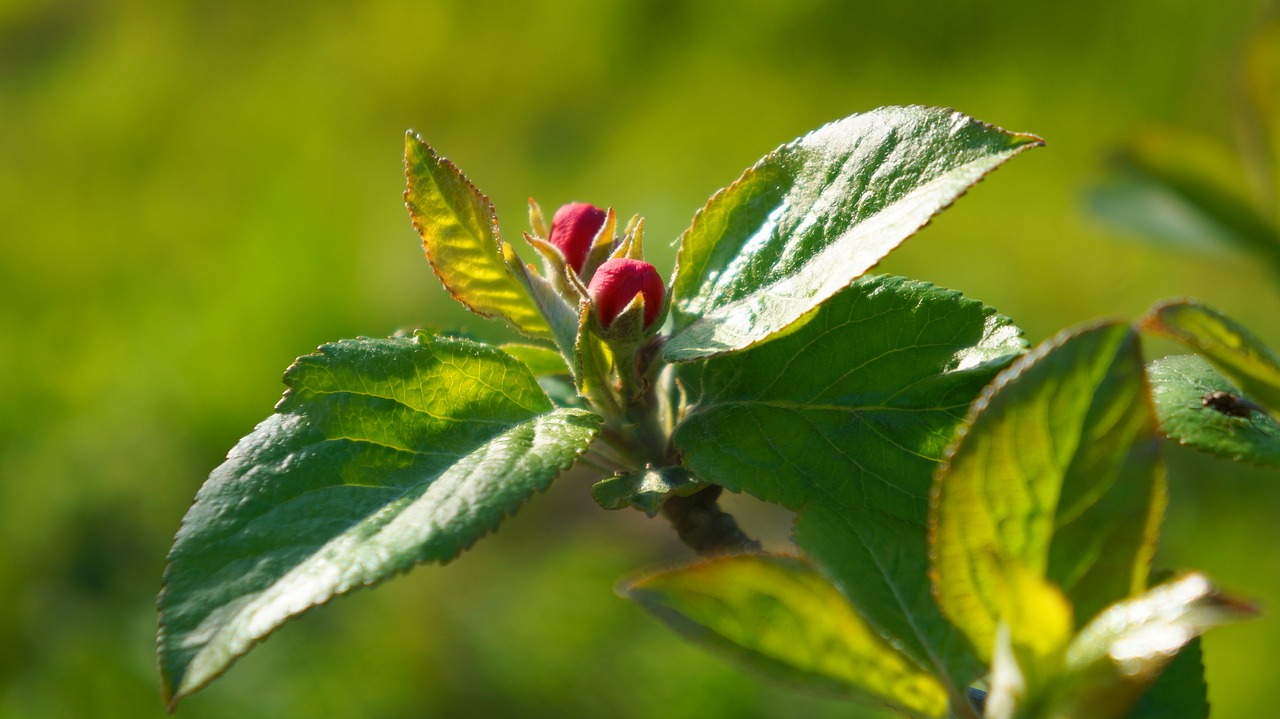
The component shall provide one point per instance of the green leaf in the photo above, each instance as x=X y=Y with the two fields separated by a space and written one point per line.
x=595 y=366
x=459 y=232
x=1179 y=692
x=1180 y=386
x=779 y=617
x=1155 y=197
x=645 y=490
x=816 y=213
x=382 y=454
x=1059 y=472
x=1121 y=652
x=1225 y=342
x=845 y=420
x=541 y=361
x=1137 y=204
x=1036 y=627
x=561 y=317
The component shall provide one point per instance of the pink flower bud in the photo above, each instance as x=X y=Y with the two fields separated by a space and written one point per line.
x=617 y=281
x=573 y=228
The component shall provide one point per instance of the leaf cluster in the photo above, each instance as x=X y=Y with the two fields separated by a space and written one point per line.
x=970 y=513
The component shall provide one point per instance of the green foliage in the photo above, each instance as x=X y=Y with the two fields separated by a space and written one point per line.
x=459 y=230
x=779 y=617
x=1181 y=386
x=1224 y=342
x=1180 y=691
x=957 y=533
x=846 y=419
x=1185 y=188
x=1155 y=196
x=382 y=454
x=646 y=490
x=1057 y=473
x=1125 y=648
x=541 y=361
x=816 y=213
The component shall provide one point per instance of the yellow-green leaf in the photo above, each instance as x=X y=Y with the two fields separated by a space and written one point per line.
x=781 y=618
x=459 y=232
x=1058 y=471
x=541 y=361
x=1119 y=654
x=1224 y=342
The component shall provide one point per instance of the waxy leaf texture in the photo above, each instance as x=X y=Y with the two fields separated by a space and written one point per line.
x=816 y=213
x=382 y=454
x=845 y=419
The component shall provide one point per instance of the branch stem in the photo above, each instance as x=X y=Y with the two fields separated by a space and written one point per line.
x=706 y=528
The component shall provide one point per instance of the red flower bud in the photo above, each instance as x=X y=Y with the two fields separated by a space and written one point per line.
x=617 y=281
x=573 y=228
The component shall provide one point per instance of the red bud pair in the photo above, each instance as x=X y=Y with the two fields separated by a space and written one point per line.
x=616 y=282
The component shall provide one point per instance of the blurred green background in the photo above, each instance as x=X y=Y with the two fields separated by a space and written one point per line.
x=192 y=194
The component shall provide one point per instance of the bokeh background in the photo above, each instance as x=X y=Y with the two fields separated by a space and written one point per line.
x=192 y=194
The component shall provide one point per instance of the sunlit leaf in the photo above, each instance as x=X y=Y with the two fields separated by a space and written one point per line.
x=1058 y=472
x=816 y=213
x=779 y=617
x=382 y=454
x=1036 y=627
x=1224 y=342
x=845 y=420
x=1121 y=652
x=460 y=235
x=1184 y=388
x=593 y=365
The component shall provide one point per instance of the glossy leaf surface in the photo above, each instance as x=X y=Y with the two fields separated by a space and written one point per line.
x=645 y=490
x=459 y=232
x=1224 y=342
x=1119 y=654
x=817 y=213
x=784 y=620
x=1181 y=385
x=1059 y=473
x=382 y=454
x=845 y=419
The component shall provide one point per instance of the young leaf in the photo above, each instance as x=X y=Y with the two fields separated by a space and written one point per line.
x=460 y=235
x=382 y=454
x=779 y=617
x=1184 y=389
x=845 y=420
x=1119 y=654
x=561 y=317
x=816 y=213
x=1058 y=471
x=1225 y=342
x=645 y=490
